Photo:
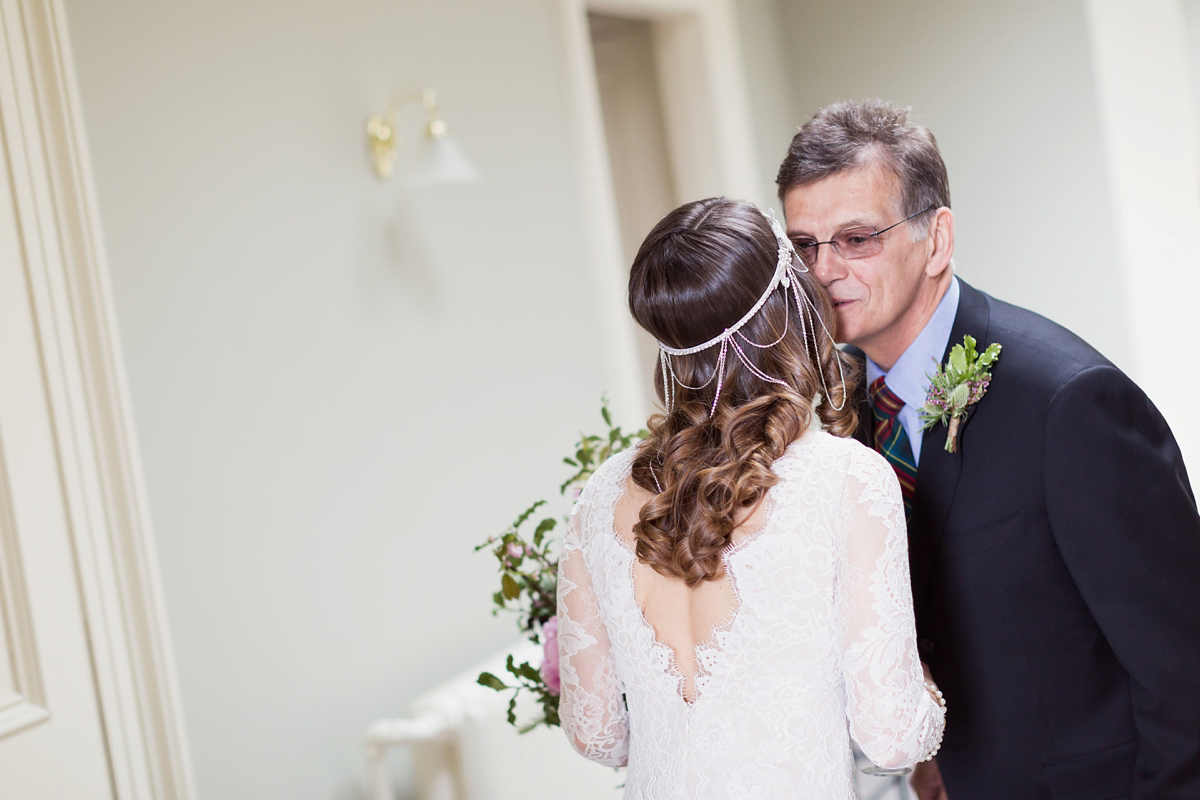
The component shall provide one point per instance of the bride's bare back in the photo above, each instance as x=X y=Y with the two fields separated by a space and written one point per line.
x=684 y=619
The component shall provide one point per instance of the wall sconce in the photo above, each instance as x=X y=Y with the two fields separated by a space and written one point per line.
x=441 y=160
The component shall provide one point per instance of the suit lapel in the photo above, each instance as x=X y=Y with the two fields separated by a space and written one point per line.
x=938 y=472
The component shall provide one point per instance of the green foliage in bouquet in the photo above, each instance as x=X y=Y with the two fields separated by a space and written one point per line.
x=528 y=559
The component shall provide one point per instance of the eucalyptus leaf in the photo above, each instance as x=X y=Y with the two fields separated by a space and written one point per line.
x=525 y=670
x=527 y=727
x=527 y=513
x=989 y=356
x=969 y=346
x=543 y=528
x=491 y=681
x=958 y=360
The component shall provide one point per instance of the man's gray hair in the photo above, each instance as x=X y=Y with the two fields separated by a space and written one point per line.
x=857 y=133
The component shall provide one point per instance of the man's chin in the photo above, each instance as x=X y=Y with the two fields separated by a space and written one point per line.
x=844 y=332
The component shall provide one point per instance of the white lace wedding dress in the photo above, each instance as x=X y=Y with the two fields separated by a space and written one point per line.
x=812 y=639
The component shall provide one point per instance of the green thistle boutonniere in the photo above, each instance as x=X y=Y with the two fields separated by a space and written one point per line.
x=956 y=386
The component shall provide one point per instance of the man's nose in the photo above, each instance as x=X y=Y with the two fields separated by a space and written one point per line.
x=827 y=266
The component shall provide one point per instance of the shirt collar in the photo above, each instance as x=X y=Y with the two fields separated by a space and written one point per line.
x=909 y=376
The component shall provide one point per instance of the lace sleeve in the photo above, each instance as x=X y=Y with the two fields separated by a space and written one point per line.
x=892 y=716
x=591 y=707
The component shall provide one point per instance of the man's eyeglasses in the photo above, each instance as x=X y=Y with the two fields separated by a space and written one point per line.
x=861 y=242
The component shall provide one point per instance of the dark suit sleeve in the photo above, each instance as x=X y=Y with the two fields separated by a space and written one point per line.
x=1124 y=518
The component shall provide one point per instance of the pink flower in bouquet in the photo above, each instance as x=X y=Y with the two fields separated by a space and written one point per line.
x=550 y=654
x=516 y=549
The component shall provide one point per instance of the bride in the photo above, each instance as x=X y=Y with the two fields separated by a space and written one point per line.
x=734 y=598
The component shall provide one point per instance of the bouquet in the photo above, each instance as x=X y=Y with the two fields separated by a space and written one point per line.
x=529 y=578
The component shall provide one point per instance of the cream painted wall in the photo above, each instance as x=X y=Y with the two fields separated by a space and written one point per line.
x=1191 y=19
x=329 y=421
x=1007 y=89
x=338 y=393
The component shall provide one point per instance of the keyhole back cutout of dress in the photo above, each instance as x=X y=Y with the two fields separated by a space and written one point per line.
x=684 y=620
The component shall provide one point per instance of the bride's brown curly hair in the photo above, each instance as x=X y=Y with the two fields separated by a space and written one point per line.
x=698 y=272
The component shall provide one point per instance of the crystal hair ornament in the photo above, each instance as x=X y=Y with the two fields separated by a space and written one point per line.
x=808 y=318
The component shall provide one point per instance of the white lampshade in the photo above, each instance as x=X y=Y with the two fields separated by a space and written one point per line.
x=440 y=162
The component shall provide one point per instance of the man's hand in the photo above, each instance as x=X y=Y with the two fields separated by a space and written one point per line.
x=927 y=781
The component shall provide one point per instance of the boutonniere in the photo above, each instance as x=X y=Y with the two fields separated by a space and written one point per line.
x=956 y=386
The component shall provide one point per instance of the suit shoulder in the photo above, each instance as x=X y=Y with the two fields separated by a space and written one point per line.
x=1041 y=352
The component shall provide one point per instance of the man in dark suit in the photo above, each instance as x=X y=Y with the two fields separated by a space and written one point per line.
x=1055 y=555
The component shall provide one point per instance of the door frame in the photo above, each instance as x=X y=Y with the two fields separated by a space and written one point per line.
x=709 y=137
x=86 y=391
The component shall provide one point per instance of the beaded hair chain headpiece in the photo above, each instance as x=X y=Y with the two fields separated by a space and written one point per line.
x=785 y=276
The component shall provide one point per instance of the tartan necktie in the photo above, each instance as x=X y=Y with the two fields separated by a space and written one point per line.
x=892 y=441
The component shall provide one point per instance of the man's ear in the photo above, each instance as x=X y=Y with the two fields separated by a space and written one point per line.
x=941 y=242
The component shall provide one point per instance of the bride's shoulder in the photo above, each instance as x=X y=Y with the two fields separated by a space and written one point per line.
x=816 y=442
x=609 y=476
x=616 y=467
x=817 y=449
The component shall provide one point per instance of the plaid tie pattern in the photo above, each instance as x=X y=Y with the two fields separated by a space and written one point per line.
x=892 y=441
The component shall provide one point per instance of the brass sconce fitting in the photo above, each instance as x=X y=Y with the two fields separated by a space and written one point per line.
x=382 y=138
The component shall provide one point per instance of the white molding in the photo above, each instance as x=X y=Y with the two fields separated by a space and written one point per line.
x=20 y=672
x=602 y=239
x=648 y=9
x=21 y=666
x=705 y=92
x=104 y=496
x=711 y=142
x=707 y=103
x=19 y=714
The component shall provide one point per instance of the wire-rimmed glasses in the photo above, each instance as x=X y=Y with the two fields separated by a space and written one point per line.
x=859 y=242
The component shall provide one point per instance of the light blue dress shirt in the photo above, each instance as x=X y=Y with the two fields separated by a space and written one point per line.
x=909 y=376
